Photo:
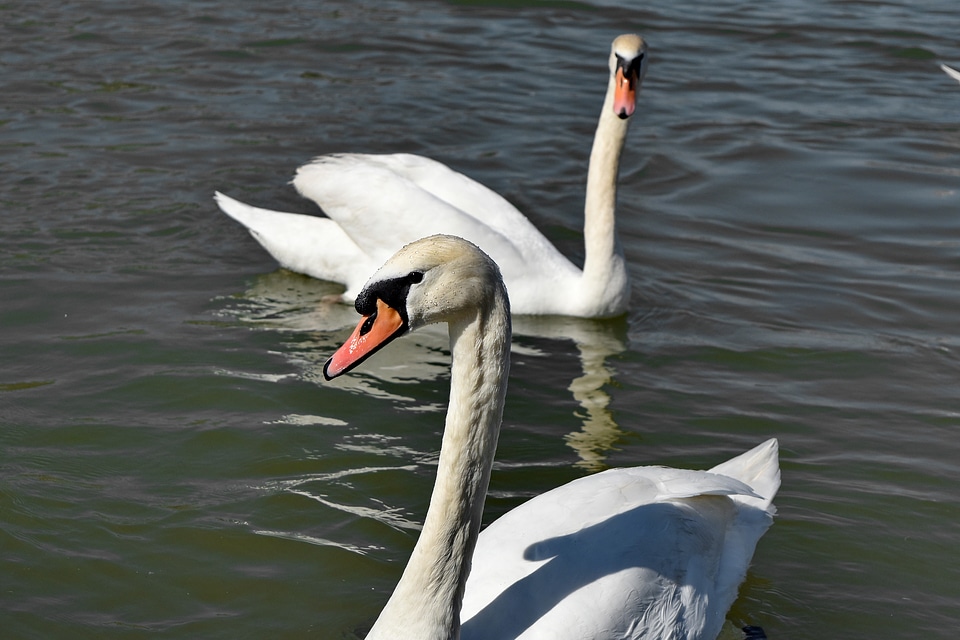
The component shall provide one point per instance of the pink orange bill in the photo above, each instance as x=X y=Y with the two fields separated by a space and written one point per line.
x=373 y=332
x=625 y=95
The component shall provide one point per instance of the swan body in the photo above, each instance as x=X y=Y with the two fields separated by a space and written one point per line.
x=668 y=549
x=377 y=203
x=950 y=71
x=645 y=552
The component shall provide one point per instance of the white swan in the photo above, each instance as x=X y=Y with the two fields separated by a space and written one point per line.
x=645 y=552
x=378 y=203
x=950 y=71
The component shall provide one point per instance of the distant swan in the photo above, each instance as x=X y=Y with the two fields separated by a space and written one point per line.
x=378 y=203
x=644 y=552
x=953 y=73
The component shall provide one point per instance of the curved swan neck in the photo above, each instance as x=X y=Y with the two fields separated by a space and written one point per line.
x=426 y=603
x=604 y=265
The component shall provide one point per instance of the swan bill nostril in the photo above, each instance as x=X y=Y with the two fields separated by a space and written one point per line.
x=367 y=325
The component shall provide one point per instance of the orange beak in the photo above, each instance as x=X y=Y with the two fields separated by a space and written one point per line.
x=373 y=332
x=625 y=96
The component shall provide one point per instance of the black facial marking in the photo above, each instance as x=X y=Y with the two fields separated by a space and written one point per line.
x=393 y=292
x=366 y=304
x=631 y=68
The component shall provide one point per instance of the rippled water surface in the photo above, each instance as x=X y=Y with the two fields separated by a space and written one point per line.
x=171 y=462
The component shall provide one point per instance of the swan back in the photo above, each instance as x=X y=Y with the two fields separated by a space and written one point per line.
x=642 y=552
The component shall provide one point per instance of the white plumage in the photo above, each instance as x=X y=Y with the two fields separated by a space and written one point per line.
x=643 y=552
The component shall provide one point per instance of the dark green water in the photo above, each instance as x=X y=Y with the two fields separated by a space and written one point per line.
x=171 y=463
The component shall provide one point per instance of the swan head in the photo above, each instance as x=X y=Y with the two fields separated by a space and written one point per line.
x=436 y=279
x=628 y=65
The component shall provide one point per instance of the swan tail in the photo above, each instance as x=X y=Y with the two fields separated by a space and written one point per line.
x=311 y=245
x=255 y=219
x=759 y=468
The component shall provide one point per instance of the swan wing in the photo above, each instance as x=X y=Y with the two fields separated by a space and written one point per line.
x=466 y=194
x=647 y=552
x=365 y=193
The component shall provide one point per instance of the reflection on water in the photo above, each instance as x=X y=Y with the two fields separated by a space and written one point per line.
x=289 y=302
x=286 y=301
x=308 y=310
x=596 y=341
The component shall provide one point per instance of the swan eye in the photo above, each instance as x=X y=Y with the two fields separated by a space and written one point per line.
x=415 y=277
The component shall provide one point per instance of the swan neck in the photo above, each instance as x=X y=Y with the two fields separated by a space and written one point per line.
x=426 y=603
x=604 y=264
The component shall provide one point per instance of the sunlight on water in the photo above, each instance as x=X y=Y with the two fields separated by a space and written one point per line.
x=174 y=461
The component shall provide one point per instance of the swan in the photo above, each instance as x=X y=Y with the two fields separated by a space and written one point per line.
x=643 y=552
x=950 y=71
x=378 y=203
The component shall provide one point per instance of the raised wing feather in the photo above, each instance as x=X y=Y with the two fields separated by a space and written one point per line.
x=364 y=194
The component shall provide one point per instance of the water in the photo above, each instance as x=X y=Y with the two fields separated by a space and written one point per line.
x=172 y=463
